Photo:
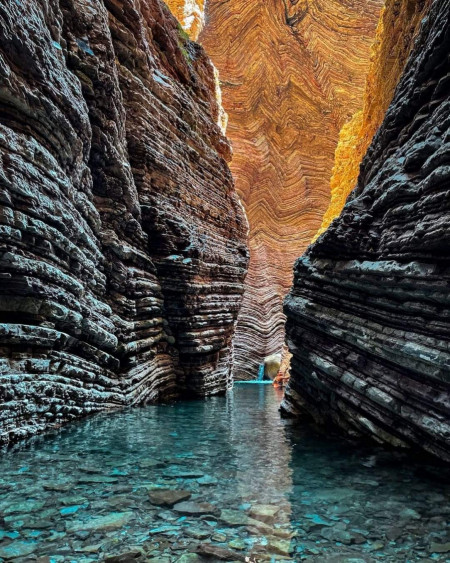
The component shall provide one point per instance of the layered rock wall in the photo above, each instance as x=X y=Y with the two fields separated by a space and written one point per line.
x=122 y=240
x=369 y=314
x=292 y=73
x=190 y=14
x=398 y=26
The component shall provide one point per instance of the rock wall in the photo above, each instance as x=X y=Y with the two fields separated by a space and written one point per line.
x=292 y=73
x=398 y=26
x=122 y=240
x=369 y=314
x=190 y=14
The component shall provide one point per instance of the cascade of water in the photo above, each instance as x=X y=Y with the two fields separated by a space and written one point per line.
x=261 y=372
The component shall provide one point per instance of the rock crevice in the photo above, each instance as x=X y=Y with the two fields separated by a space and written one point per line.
x=292 y=73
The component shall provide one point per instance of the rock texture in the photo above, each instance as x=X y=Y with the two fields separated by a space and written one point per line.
x=292 y=73
x=190 y=14
x=397 y=29
x=369 y=314
x=122 y=240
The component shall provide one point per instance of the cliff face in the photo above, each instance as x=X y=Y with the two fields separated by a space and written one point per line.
x=122 y=241
x=368 y=316
x=190 y=14
x=292 y=73
x=398 y=26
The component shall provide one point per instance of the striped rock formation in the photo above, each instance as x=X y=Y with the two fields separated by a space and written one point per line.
x=369 y=312
x=394 y=39
x=122 y=240
x=190 y=14
x=292 y=73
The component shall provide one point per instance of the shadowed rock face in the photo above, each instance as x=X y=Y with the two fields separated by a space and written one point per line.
x=368 y=315
x=292 y=73
x=122 y=241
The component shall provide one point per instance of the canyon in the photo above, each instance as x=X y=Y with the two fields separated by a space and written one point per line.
x=165 y=168
x=122 y=240
x=291 y=74
x=141 y=181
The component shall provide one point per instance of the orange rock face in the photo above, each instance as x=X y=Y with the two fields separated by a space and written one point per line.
x=292 y=73
x=397 y=28
x=190 y=14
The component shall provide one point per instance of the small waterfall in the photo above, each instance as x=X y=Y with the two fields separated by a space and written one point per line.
x=261 y=372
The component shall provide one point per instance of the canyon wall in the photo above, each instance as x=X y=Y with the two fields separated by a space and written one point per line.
x=122 y=240
x=369 y=313
x=398 y=26
x=292 y=73
x=190 y=14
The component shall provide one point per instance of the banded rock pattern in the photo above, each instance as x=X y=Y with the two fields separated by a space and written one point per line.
x=398 y=26
x=122 y=240
x=292 y=73
x=369 y=313
x=190 y=14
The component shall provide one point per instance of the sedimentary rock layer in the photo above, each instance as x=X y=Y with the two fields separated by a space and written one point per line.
x=398 y=26
x=190 y=14
x=122 y=241
x=292 y=73
x=369 y=312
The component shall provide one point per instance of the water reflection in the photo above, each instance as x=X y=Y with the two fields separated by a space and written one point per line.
x=259 y=487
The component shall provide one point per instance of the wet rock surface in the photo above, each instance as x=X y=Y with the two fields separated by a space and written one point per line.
x=320 y=499
x=122 y=240
x=368 y=314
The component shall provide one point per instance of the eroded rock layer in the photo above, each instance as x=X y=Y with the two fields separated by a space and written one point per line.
x=369 y=313
x=292 y=73
x=122 y=241
x=398 y=26
x=190 y=14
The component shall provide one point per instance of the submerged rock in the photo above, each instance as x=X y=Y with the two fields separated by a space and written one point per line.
x=111 y=521
x=211 y=551
x=168 y=497
x=17 y=549
x=264 y=512
x=126 y=557
x=188 y=558
x=436 y=547
x=207 y=481
x=196 y=508
x=234 y=517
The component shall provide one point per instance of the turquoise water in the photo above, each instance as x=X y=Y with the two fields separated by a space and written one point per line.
x=259 y=486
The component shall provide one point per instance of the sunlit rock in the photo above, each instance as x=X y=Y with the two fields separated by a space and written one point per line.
x=190 y=14
x=397 y=29
x=272 y=365
x=292 y=73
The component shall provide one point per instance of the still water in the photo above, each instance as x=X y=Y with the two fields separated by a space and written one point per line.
x=225 y=477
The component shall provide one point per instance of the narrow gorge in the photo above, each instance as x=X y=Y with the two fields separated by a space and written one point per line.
x=224 y=281
x=291 y=74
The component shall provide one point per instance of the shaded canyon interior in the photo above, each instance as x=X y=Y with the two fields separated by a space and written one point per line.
x=128 y=221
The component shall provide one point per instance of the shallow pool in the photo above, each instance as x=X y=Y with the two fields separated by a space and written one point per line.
x=224 y=477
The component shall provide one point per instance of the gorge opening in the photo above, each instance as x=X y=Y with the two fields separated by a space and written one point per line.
x=305 y=86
